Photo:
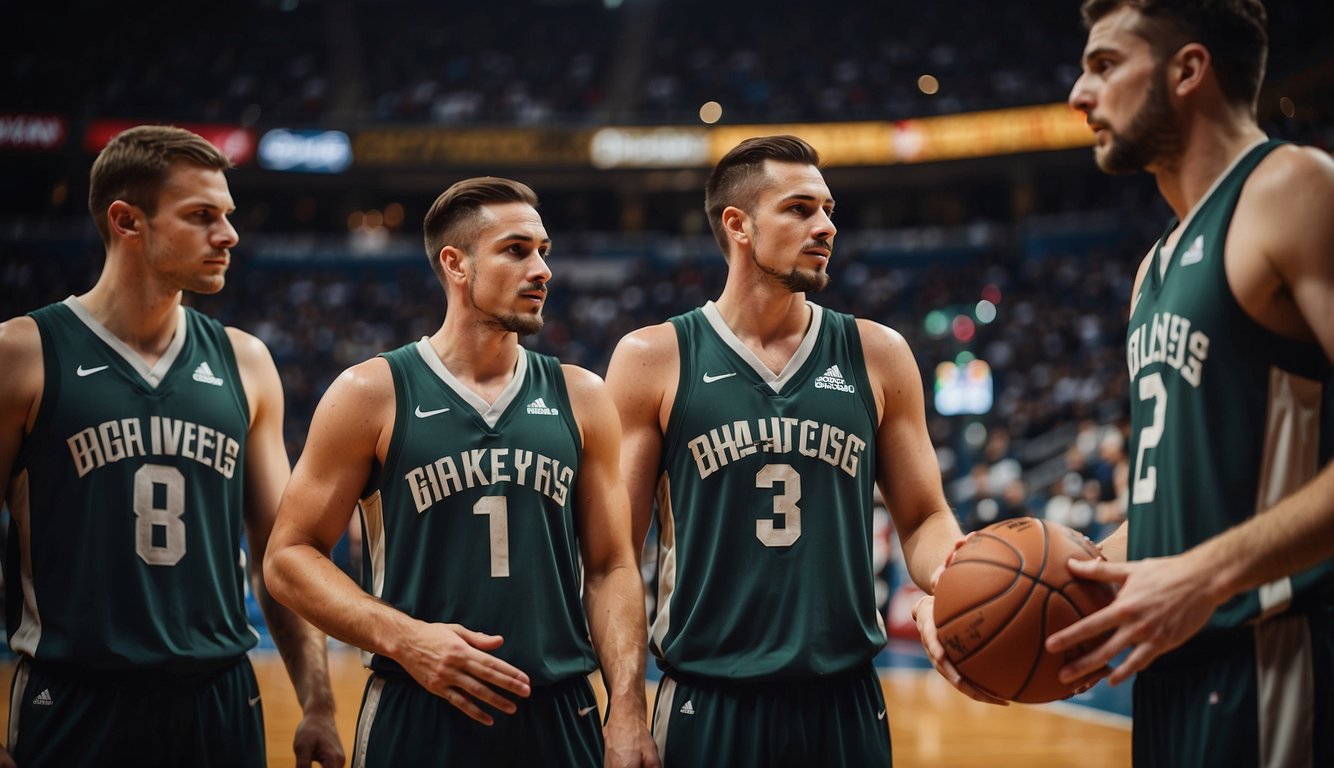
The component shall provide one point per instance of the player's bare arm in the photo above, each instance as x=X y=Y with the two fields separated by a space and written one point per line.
x=302 y=646
x=908 y=474
x=642 y=379
x=20 y=396
x=909 y=479
x=613 y=589
x=20 y=387
x=349 y=434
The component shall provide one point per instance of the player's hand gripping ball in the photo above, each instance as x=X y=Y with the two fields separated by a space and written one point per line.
x=1004 y=592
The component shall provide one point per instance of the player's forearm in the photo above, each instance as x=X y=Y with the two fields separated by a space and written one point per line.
x=304 y=652
x=1114 y=547
x=925 y=549
x=616 y=621
x=1293 y=535
x=301 y=575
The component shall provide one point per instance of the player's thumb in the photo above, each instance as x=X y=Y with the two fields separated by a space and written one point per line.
x=1098 y=570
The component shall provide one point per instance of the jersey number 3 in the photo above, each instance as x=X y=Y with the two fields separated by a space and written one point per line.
x=785 y=506
x=159 y=502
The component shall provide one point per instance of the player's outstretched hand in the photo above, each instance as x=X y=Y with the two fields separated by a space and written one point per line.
x=924 y=613
x=317 y=740
x=629 y=744
x=1161 y=603
x=455 y=663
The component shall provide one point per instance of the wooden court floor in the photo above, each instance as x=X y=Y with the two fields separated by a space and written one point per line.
x=931 y=725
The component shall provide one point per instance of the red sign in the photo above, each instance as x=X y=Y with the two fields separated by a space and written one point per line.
x=238 y=144
x=43 y=133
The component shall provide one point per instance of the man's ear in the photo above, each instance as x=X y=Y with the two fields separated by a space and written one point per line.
x=734 y=224
x=1189 y=68
x=125 y=220
x=452 y=263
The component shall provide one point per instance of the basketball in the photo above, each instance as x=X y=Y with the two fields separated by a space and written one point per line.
x=1004 y=592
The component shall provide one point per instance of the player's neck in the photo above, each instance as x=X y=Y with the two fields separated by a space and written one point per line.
x=135 y=309
x=480 y=357
x=1211 y=147
x=772 y=322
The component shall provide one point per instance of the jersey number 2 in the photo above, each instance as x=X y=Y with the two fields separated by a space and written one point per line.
x=1146 y=477
x=154 y=511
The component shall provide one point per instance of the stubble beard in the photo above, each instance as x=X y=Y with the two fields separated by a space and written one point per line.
x=794 y=280
x=508 y=322
x=1153 y=137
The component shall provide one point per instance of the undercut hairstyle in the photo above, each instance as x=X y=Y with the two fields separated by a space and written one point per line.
x=135 y=165
x=740 y=176
x=455 y=217
x=1234 y=31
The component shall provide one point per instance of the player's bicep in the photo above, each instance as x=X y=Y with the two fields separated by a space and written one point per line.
x=20 y=387
x=603 y=510
x=641 y=379
x=907 y=471
x=335 y=465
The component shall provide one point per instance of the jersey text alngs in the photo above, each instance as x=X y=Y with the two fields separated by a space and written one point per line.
x=111 y=441
x=730 y=442
x=433 y=482
x=1168 y=338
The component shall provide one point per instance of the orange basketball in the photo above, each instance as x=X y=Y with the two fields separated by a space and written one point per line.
x=1004 y=592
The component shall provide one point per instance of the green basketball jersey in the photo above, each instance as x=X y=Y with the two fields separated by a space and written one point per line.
x=1225 y=415
x=765 y=507
x=126 y=502
x=472 y=518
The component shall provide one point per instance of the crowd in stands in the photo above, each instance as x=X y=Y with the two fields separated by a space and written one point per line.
x=532 y=62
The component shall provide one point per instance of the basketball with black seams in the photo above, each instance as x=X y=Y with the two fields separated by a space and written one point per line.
x=1004 y=592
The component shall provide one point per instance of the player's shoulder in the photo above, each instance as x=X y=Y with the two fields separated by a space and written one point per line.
x=580 y=378
x=19 y=337
x=1292 y=166
x=246 y=344
x=587 y=391
x=880 y=339
x=20 y=345
x=649 y=340
x=649 y=354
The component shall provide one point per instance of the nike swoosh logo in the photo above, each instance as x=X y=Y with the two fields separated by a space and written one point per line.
x=90 y=371
x=253 y=700
x=710 y=379
x=424 y=414
x=585 y=710
x=880 y=716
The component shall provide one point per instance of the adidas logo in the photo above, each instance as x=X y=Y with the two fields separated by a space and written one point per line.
x=44 y=698
x=205 y=374
x=687 y=708
x=833 y=379
x=539 y=408
x=1195 y=253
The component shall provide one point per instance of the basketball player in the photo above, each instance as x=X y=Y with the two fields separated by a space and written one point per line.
x=138 y=437
x=759 y=424
x=1231 y=336
x=485 y=476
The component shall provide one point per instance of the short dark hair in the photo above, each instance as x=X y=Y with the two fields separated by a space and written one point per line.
x=135 y=165
x=1234 y=31
x=740 y=175
x=453 y=217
